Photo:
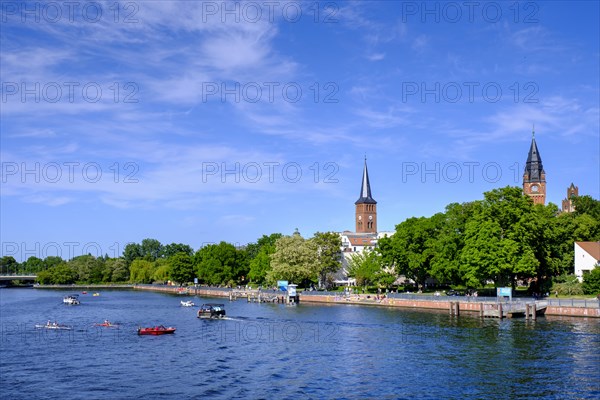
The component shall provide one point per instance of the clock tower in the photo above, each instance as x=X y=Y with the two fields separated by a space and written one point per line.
x=534 y=177
x=366 y=207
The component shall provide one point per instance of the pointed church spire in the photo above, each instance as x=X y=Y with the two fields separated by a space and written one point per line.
x=365 y=189
x=534 y=170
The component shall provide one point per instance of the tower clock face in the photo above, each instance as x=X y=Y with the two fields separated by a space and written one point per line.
x=359 y=217
x=370 y=217
x=535 y=188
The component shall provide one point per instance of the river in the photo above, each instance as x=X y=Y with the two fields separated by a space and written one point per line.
x=269 y=351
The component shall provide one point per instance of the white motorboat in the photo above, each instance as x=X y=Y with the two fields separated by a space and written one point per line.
x=71 y=300
x=188 y=303
x=53 y=325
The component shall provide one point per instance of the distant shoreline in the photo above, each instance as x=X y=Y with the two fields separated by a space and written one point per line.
x=361 y=300
x=90 y=286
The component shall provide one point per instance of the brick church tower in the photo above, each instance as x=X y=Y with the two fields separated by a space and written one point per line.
x=567 y=204
x=366 y=207
x=534 y=177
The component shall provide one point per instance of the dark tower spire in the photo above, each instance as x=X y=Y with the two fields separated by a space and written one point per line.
x=365 y=189
x=534 y=177
x=366 y=206
x=534 y=168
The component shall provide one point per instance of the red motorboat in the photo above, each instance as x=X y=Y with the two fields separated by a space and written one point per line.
x=157 y=330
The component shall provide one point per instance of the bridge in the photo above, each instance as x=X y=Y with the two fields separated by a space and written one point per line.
x=18 y=277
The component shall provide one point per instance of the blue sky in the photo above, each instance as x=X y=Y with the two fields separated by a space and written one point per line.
x=198 y=122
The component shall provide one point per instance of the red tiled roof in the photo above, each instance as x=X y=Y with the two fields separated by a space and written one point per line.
x=592 y=248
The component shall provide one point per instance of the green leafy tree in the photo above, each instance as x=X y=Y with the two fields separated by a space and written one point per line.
x=89 y=269
x=162 y=270
x=8 y=265
x=294 y=260
x=61 y=274
x=259 y=257
x=260 y=265
x=328 y=255
x=33 y=265
x=151 y=249
x=170 y=250
x=131 y=252
x=141 y=271
x=220 y=264
x=498 y=241
x=182 y=268
x=411 y=248
x=365 y=267
x=591 y=281
x=115 y=270
x=450 y=241
x=587 y=205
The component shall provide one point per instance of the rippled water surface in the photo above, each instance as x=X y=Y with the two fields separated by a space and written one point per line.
x=273 y=351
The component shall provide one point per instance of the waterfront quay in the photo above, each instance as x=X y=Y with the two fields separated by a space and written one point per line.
x=482 y=306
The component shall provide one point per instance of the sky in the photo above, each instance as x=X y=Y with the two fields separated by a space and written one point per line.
x=199 y=122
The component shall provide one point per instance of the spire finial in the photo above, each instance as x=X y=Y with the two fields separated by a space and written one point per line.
x=533 y=131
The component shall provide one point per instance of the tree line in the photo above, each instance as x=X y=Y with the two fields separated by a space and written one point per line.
x=503 y=238
x=271 y=258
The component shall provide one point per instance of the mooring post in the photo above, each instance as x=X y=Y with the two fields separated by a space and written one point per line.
x=526 y=310
x=534 y=311
x=500 y=314
x=481 y=310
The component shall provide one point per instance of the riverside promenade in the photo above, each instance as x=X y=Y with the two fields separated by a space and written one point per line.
x=453 y=304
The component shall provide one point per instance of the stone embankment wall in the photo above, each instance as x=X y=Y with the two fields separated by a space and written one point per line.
x=441 y=304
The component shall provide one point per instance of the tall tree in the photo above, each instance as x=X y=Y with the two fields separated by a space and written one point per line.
x=8 y=265
x=170 y=250
x=141 y=271
x=365 y=267
x=131 y=252
x=497 y=239
x=450 y=241
x=259 y=257
x=328 y=255
x=182 y=268
x=411 y=248
x=220 y=264
x=151 y=249
x=587 y=205
x=294 y=260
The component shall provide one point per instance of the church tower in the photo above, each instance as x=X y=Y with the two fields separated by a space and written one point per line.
x=567 y=204
x=366 y=207
x=534 y=177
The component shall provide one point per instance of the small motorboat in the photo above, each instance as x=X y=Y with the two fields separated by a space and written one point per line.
x=188 y=303
x=107 y=324
x=156 y=330
x=96 y=294
x=211 y=311
x=72 y=300
x=53 y=325
x=84 y=292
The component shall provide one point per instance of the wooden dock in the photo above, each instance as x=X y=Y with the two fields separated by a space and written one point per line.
x=255 y=296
